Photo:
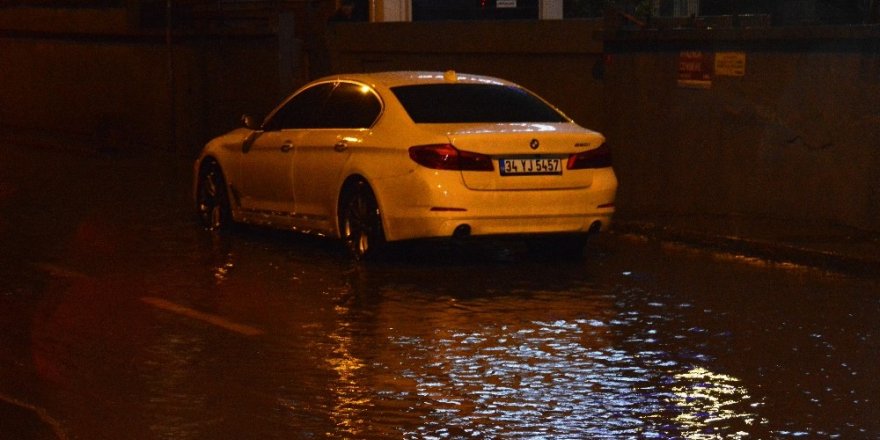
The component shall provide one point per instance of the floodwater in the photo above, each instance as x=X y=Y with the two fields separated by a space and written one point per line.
x=122 y=319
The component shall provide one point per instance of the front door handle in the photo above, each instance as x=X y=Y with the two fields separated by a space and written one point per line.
x=286 y=147
x=340 y=146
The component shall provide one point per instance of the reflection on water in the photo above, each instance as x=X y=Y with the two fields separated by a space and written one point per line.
x=420 y=350
x=434 y=350
x=633 y=343
x=351 y=398
x=175 y=405
x=452 y=361
x=710 y=399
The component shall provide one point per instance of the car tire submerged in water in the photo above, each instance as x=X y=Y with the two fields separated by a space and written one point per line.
x=361 y=222
x=212 y=199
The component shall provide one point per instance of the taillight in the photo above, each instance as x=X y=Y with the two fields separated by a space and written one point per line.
x=595 y=158
x=447 y=157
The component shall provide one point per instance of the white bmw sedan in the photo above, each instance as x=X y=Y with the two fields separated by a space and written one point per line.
x=382 y=157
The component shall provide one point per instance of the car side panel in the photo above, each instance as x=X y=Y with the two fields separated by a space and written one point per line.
x=321 y=158
x=265 y=182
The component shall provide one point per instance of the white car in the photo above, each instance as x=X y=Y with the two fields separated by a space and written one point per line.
x=381 y=157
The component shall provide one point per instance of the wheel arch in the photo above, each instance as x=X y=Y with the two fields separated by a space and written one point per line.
x=214 y=200
x=345 y=192
x=200 y=166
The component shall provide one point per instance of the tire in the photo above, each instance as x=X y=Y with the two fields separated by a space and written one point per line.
x=361 y=222
x=212 y=199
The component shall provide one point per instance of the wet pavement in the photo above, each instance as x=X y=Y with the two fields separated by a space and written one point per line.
x=830 y=247
x=122 y=319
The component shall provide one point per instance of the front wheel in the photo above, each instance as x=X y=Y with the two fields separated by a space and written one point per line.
x=212 y=199
x=361 y=222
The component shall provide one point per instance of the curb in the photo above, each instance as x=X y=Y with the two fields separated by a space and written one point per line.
x=779 y=252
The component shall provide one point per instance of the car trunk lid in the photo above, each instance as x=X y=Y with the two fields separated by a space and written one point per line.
x=528 y=156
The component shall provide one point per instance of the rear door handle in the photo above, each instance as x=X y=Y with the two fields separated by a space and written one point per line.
x=340 y=146
x=286 y=147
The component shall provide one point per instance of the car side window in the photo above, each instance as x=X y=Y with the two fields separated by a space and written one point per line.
x=300 y=111
x=350 y=106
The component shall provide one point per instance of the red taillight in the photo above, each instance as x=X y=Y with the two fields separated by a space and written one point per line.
x=447 y=157
x=595 y=158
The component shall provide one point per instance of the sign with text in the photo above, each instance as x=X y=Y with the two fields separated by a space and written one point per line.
x=730 y=64
x=694 y=69
x=505 y=3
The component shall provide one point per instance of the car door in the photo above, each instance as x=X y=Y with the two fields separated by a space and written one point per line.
x=267 y=165
x=345 y=119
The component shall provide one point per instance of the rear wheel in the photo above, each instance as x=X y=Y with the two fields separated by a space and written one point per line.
x=212 y=199
x=361 y=222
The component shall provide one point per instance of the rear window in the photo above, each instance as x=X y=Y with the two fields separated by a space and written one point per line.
x=463 y=103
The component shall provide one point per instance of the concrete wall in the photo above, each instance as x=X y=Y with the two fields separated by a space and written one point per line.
x=61 y=73
x=86 y=79
x=555 y=59
x=796 y=137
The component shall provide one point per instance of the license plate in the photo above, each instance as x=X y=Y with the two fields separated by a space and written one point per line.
x=529 y=167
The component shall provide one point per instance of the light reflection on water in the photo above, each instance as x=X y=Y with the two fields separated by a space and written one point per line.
x=431 y=350
x=505 y=349
x=560 y=364
x=490 y=350
x=708 y=398
x=635 y=343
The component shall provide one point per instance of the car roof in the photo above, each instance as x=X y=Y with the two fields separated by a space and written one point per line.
x=414 y=77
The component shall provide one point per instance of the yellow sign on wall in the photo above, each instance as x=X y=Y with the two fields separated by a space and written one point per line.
x=730 y=64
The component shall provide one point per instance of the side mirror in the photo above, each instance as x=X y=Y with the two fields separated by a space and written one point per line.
x=248 y=122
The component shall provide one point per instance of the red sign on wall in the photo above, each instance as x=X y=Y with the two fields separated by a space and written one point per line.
x=695 y=69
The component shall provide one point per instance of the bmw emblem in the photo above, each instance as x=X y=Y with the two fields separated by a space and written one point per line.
x=534 y=144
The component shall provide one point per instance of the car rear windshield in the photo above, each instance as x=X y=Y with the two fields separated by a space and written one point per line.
x=464 y=103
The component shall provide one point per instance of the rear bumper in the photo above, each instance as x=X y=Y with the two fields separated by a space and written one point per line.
x=449 y=207
x=409 y=228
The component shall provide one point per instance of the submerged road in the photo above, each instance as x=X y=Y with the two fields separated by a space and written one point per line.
x=121 y=318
